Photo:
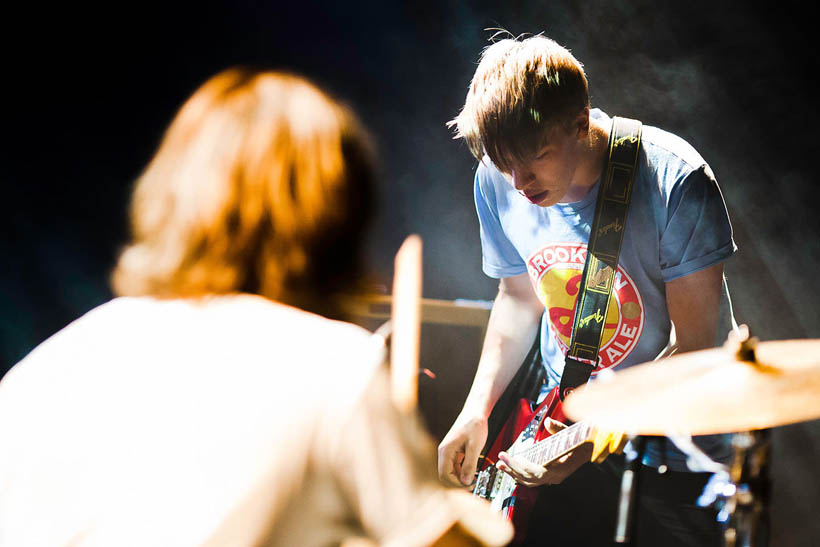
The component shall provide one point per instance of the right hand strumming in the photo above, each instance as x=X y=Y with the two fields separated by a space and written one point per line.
x=459 y=450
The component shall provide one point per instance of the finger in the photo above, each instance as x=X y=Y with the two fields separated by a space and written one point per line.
x=525 y=468
x=447 y=464
x=468 y=466
x=502 y=466
x=524 y=479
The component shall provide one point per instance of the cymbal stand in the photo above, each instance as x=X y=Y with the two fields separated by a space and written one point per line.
x=745 y=507
x=625 y=520
x=740 y=492
x=742 y=495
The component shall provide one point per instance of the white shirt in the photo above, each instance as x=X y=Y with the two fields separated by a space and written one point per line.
x=224 y=421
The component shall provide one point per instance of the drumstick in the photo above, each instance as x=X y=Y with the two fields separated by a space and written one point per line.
x=406 y=319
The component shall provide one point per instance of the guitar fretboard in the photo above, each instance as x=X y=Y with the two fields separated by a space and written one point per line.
x=557 y=445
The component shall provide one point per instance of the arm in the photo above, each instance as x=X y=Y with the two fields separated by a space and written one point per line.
x=513 y=323
x=694 y=307
x=696 y=240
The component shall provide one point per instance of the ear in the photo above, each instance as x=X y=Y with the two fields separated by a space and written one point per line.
x=582 y=123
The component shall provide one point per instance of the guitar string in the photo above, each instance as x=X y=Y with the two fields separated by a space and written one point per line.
x=574 y=432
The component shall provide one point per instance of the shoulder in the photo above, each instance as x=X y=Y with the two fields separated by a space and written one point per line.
x=333 y=355
x=670 y=164
x=665 y=148
x=252 y=336
x=661 y=147
x=78 y=336
x=292 y=335
x=663 y=154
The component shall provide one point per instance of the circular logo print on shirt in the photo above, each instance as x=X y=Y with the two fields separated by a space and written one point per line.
x=555 y=271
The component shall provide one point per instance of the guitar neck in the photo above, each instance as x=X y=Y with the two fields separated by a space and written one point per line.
x=555 y=446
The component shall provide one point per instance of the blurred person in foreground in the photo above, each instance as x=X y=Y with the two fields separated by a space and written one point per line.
x=215 y=401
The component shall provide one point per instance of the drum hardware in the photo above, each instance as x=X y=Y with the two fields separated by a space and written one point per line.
x=625 y=518
x=744 y=388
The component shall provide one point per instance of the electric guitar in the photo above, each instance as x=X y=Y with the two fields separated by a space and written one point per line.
x=533 y=442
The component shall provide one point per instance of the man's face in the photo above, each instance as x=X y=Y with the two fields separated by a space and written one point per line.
x=545 y=179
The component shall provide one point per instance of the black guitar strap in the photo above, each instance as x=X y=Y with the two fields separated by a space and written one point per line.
x=605 y=238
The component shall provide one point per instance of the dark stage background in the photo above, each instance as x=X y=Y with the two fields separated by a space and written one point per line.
x=92 y=90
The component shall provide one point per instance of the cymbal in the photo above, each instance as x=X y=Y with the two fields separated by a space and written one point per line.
x=709 y=391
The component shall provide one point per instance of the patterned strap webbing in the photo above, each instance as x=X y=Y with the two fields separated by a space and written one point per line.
x=605 y=238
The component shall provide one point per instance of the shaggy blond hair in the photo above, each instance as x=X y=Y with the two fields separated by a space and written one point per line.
x=262 y=184
x=521 y=89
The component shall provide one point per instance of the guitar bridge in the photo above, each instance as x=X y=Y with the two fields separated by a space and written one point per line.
x=485 y=483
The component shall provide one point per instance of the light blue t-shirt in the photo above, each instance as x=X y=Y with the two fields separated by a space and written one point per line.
x=677 y=224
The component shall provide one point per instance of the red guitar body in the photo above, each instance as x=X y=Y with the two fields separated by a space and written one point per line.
x=524 y=426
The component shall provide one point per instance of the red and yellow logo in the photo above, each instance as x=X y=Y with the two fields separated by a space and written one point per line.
x=555 y=272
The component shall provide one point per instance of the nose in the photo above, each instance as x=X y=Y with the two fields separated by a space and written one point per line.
x=521 y=178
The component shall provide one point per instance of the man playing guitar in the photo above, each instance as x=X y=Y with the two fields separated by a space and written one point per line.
x=541 y=153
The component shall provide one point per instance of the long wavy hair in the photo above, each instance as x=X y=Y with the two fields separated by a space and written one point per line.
x=262 y=184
